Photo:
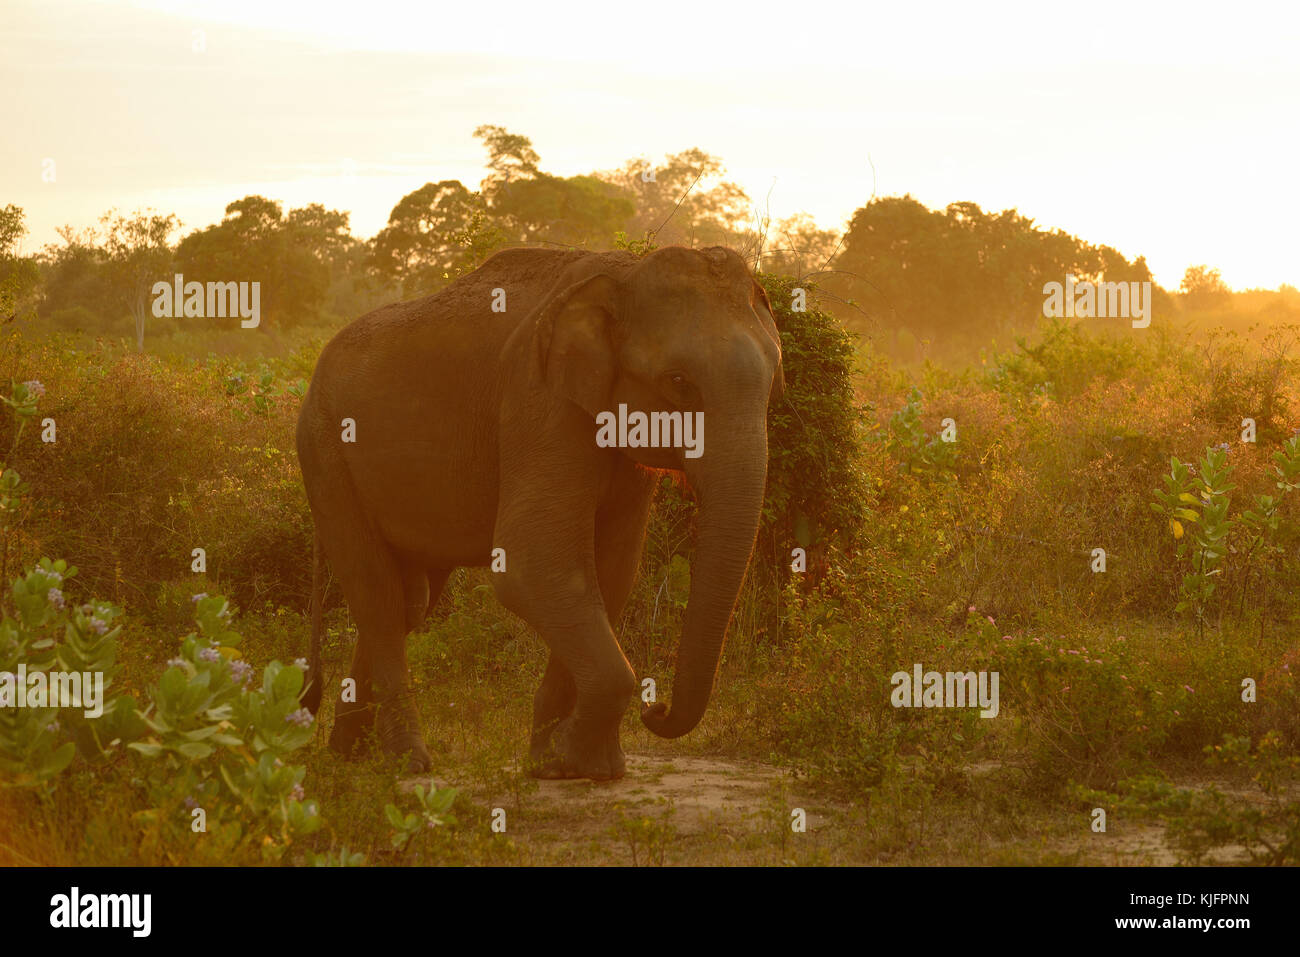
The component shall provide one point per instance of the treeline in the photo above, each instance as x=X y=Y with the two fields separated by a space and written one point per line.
x=921 y=282
x=962 y=272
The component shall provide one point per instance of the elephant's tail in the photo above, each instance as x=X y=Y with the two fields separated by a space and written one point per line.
x=312 y=695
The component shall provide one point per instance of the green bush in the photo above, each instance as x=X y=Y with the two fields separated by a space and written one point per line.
x=49 y=633
x=915 y=449
x=155 y=458
x=816 y=479
x=215 y=742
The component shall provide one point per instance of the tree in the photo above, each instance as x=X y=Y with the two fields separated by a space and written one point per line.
x=1204 y=287
x=529 y=205
x=510 y=157
x=137 y=255
x=74 y=282
x=798 y=247
x=312 y=245
x=19 y=275
x=961 y=274
x=292 y=257
x=320 y=233
x=434 y=234
x=684 y=200
x=572 y=211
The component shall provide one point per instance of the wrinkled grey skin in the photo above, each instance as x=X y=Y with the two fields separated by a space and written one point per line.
x=475 y=430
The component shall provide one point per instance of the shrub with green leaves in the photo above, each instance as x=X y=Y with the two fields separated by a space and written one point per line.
x=154 y=457
x=1200 y=501
x=47 y=633
x=216 y=740
x=915 y=449
x=1261 y=525
x=1195 y=503
x=44 y=632
x=826 y=710
x=1079 y=713
x=220 y=739
x=816 y=480
x=433 y=811
x=1066 y=360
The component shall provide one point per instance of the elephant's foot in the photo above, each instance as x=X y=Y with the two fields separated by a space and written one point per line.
x=398 y=721
x=568 y=750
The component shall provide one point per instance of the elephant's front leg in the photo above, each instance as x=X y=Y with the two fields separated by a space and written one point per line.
x=552 y=479
x=620 y=534
x=590 y=679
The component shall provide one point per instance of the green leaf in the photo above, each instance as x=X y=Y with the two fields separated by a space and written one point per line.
x=394 y=816
x=172 y=684
x=288 y=682
x=147 y=748
x=61 y=758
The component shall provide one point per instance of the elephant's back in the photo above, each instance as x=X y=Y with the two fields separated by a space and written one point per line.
x=445 y=348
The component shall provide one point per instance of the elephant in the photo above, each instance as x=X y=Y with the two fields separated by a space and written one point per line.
x=473 y=442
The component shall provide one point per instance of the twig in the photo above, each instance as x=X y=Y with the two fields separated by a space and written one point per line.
x=655 y=232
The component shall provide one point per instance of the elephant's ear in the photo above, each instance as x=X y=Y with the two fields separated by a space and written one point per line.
x=575 y=347
x=763 y=309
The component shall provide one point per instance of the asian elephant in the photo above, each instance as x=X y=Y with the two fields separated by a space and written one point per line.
x=444 y=431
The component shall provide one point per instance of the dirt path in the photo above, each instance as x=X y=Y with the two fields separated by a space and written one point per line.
x=716 y=811
x=683 y=810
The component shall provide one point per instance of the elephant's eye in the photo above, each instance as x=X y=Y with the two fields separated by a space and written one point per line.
x=678 y=388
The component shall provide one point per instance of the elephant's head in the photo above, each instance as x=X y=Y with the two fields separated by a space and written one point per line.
x=685 y=331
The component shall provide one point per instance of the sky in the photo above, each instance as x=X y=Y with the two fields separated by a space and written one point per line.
x=1164 y=130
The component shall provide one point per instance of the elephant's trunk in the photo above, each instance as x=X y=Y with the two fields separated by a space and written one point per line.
x=729 y=485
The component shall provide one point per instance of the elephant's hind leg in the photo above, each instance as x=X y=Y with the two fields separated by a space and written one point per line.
x=373 y=582
x=354 y=712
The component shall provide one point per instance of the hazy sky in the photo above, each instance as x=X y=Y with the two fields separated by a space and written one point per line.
x=1167 y=130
